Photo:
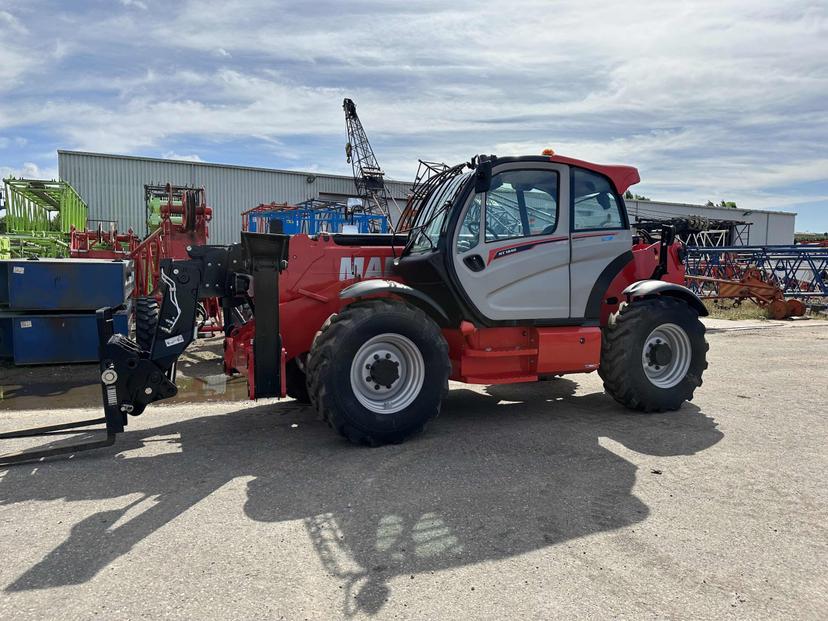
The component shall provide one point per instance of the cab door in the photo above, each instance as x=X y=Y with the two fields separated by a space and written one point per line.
x=600 y=235
x=511 y=247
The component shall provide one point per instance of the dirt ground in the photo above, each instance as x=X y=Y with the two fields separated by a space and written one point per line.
x=525 y=501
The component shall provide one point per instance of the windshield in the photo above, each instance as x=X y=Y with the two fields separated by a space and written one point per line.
x=433 y=214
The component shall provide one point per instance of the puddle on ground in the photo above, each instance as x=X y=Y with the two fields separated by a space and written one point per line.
x=86 y=392
x=200 y=379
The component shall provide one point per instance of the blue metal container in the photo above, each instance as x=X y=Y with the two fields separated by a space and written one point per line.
x=64 y=284
x=53 y=338
x=314 y=221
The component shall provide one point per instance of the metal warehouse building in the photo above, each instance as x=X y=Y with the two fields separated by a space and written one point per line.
x=113 y=187
x=766 y=227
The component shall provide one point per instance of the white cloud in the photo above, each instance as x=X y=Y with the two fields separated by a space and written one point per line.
x=171 y=155
x=28 y=170
x=710 y=99
x=10 y=23
x=138 y=4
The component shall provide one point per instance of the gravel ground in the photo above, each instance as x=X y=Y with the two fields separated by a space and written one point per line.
x=525 y=501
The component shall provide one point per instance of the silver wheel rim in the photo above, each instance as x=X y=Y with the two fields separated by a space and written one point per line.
x=673 y=372
x=391 y=349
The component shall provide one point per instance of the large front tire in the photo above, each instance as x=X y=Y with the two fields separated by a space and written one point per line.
x=653 y=354
x=378 y=371
x=146 y=319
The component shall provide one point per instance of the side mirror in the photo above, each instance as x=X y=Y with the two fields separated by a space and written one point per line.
x=483 y=176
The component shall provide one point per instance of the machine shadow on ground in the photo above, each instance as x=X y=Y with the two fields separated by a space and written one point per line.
x=496 y=475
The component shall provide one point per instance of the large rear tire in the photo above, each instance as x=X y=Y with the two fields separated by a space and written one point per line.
x=146 y=318
x=378 y=371
x=653 y=354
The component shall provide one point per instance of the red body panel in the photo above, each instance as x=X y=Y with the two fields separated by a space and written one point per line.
x=645 y=260
x=622 y=177
x=509 y=355
x=318 y=269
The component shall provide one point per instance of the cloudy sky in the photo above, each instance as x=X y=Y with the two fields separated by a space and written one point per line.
x=710 y=100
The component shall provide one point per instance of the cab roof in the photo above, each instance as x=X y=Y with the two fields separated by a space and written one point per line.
x=622 y=177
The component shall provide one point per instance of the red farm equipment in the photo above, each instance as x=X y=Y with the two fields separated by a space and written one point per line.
x=177 y=219
x=751 y=285
x=102 y=242
x=514 y=269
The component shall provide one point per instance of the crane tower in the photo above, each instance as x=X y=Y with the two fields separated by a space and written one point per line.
x=368 y=176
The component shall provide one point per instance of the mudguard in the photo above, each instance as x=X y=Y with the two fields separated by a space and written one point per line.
x=649 y=288
x=376 y=286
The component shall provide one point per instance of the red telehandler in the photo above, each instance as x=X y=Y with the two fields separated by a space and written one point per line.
x=514 y=269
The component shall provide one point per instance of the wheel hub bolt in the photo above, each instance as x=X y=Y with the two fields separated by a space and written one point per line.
x=659 y=355
x=383 y=373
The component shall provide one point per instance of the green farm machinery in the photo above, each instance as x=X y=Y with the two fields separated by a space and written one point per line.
x=39 y=217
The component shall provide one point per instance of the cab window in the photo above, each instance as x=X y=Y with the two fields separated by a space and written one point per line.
x=468 y=236
x=521 y=203
x=594 y=202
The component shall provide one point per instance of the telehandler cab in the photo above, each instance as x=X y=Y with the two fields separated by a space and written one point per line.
x=514 y=269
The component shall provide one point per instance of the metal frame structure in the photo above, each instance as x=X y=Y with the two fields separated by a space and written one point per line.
x=700 y=231
x=800 y=271
x=40 y=216
x=311 y=217
x=429 y=176
x=36 y=205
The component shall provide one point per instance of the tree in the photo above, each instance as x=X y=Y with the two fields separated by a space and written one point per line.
x=634 y=197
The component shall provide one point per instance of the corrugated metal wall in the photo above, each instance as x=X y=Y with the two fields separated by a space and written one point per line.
x=113 y=187
x=767 y=227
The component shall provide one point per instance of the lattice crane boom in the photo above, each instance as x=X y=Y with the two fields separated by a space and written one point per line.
x=368 y=176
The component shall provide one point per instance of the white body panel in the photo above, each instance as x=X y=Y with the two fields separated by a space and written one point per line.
x=591 y=252
x=524 y=277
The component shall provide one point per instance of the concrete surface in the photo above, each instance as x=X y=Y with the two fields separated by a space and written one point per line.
x=527 y=501
x=726 y=325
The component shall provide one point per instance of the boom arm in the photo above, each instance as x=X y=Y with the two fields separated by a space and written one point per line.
x=132 y=378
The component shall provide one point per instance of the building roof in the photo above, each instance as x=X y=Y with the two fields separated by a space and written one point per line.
x=162 y=160
x=622 y=175
x=735 y=210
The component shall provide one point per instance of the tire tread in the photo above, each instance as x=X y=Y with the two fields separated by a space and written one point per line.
x=327 y=345
x=615 y=353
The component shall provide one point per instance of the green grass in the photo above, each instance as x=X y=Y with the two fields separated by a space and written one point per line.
x=726 y=310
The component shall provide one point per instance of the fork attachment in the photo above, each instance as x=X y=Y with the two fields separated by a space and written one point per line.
x=132 y=378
